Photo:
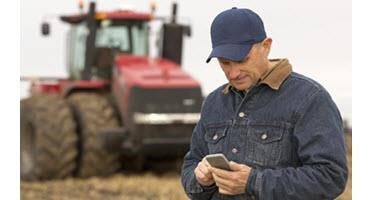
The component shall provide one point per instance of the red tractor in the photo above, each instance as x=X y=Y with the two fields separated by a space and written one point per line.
x=117 y=107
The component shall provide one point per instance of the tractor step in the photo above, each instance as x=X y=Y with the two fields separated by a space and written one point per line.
x=114 y=138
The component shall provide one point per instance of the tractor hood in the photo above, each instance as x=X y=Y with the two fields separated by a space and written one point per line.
x=152 y=72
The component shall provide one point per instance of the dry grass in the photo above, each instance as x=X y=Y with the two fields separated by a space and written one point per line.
x=147 y=186
x=126 y=187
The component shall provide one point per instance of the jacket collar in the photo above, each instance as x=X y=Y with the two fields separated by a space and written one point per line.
x=273 y=78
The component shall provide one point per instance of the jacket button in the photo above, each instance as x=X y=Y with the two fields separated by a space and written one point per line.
x=264 y=136
x=234 y=150
x=241 y=114
x=215 y=137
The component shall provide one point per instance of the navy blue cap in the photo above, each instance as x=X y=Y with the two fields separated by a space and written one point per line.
x=233 y=33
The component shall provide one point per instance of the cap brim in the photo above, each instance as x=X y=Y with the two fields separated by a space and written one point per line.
x=232 y=52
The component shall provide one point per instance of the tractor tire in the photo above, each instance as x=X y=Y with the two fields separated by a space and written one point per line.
x=48 y=138
x=94 y=114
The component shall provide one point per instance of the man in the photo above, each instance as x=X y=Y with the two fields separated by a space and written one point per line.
x=281 y=130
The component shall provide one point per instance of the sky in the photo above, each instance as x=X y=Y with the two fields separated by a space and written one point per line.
x=314 y=35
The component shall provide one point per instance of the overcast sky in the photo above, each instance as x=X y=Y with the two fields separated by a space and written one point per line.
x=314 y=35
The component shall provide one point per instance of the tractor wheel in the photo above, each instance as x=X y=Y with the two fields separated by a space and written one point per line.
x=48 y=138
x=94 y=113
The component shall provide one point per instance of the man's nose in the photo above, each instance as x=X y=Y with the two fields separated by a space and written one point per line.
x=234 y=71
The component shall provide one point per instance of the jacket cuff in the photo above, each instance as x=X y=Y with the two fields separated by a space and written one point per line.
x=208 y=188
x=254 y=183
x=199 y=192
x=195 y=187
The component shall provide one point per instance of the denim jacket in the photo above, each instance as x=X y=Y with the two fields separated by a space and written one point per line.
x=286 y=128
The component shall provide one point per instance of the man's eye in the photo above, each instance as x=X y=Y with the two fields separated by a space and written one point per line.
x=243 y=61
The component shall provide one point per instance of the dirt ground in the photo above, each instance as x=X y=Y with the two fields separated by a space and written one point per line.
x=126 y=187
x=150 y=185
x=158 y=181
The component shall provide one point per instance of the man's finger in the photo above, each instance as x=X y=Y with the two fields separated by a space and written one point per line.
x=198 y=173
x=205 y=162
x=224 y=191
x=205 y=168
x=236 y=166
x=205 y=171
x=221 y=173
x=221 y=182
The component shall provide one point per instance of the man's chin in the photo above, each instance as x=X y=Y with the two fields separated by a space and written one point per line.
x=241 y=87
x=242 y=84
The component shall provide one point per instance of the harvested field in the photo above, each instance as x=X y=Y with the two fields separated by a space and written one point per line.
x=130 y=187
x=161 y=180
x=150 y=185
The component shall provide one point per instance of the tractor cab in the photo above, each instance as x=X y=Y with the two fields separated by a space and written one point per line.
x=96 y=37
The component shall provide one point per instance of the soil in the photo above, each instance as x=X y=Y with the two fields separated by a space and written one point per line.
x=154 y=183
x=134 y=187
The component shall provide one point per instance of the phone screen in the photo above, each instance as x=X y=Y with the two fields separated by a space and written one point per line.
x=218 y=161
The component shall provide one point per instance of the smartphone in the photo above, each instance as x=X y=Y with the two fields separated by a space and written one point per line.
x=218 y=160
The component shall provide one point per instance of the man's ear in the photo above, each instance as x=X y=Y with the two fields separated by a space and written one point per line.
x=266 y=43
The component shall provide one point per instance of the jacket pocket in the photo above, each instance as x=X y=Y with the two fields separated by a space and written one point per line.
x=215 y=137
x=264 y=143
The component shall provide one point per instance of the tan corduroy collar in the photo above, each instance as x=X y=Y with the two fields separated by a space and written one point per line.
x=280 y=70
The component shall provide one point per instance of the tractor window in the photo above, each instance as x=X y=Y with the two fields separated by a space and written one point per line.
x=139 y=37
x=121 y=35
x=77 y=42
x=124 y=36
x=115 y=37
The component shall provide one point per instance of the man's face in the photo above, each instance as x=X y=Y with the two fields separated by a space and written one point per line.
x=244 y=74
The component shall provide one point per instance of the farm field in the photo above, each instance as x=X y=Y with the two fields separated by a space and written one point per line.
x=150 y=185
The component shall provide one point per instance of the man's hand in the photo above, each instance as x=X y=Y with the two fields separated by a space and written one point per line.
x=203 y=173
x=231 y=182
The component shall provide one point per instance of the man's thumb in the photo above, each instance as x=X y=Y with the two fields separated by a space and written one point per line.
x=235 y=166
